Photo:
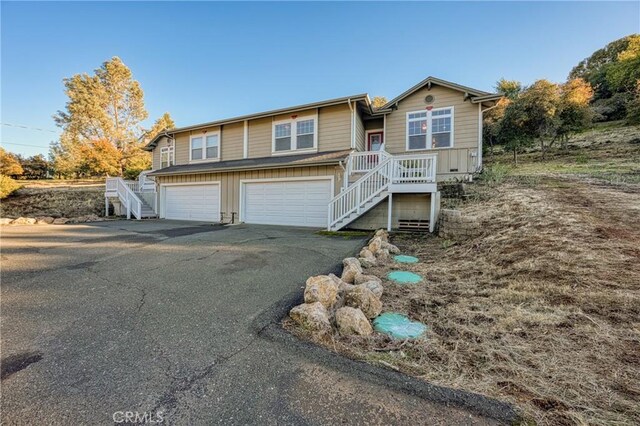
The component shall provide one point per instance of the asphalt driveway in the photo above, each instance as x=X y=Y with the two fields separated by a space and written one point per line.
x=156 y=317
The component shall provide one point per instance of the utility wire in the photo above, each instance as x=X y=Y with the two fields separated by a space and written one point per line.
x=21 y=126
x=21 y=144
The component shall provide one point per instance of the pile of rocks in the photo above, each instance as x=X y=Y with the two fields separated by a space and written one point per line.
x=378 y=250
x=346 y=303
x=48 y=220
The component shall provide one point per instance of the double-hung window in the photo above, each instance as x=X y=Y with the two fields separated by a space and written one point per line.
x=430 y=129
x=205 y=147
x=294 y=135
x=167 y=156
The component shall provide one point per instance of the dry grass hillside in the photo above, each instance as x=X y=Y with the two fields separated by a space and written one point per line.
x=55 y=198
x=541 y=306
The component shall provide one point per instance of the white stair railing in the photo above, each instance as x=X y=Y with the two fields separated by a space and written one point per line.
x=123 y=190
x=145 y=183
x=362 y=162
x=356 y=196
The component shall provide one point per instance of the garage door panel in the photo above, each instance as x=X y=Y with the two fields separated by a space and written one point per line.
x=296 y=203
x=192 y=202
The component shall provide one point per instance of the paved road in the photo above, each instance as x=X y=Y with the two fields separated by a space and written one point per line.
x=156 y=317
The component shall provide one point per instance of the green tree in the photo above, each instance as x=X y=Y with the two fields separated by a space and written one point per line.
x=574 y=113
x=107 y=106
x=622 y=74
x=10 y=164
x=378 y=102
x=100 y=158
x=140 y=160
x=539 y=104
x=633 y=109
x=509 y=88
x=36 y=167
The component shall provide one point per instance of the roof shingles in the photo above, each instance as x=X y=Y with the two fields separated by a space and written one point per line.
x=278 y=161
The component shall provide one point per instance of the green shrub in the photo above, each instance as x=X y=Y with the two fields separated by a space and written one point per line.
x=495 y=174
x=7 y=186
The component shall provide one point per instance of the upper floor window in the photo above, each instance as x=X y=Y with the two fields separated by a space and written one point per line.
x=205 y=147
x=435 y=126
x=292 y=135
x=167 y=156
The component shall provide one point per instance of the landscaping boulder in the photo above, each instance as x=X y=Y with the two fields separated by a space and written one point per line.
x=390 y=247
x=5 y=221
x=323 y=289
x=366 y=258
x=342 y=286
x=352 y=321
x=375 y=287
x=375 y=244
x=367 y=263
x=44 y=220
x=60 y=221
x=363 y=298
x=382 y=256
x=24 y=221
x=352 y=268
x=312 y=316
x=382 y=233
x=362 y=278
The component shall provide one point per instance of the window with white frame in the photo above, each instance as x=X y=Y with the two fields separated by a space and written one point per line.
x=167 y=156
x=435 y=126
x=205 y=147
x=294 y=135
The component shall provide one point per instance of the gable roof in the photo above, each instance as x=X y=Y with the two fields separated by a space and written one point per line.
x=329 y=102
x=438 y=82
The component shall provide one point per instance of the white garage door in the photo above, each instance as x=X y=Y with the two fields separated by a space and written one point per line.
x=192 y=202
x=294 y=203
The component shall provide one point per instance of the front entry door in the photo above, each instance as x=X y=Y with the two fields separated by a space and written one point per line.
x=375 y=141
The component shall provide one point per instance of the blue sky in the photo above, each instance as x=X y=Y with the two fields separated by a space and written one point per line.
x=206 y=61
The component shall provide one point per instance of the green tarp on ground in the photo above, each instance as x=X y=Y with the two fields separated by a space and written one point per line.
x=398 y=326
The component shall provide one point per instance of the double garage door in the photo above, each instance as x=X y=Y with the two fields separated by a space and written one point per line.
x=278 y=202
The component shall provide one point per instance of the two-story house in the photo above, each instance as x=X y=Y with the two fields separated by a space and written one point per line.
x=333 y=164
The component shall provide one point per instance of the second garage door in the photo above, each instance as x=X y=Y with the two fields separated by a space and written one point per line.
x=192 y=202
x=294 y=203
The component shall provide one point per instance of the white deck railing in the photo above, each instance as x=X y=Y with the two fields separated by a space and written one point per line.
x=362 y=162
x=414 y=168
x=383 y=172
x=125 y=191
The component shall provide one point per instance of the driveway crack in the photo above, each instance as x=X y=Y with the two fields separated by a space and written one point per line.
x=169 y=400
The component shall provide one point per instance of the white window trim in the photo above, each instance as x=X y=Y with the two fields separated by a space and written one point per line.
x=204 y=147
x=294 y=131
x=170 y=150
x=429 y=129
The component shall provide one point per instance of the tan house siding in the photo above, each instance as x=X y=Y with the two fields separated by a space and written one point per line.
x=405 y=206
x=360 y=142
x=465 y=121
x=230 y=181
x=334 y=128
x=260 y=137
x=231 y=141
x=155 y=154
x=375 y=124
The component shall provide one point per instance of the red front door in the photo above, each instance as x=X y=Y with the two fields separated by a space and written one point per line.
x=375 y=141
